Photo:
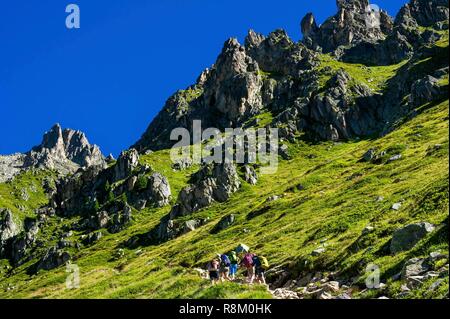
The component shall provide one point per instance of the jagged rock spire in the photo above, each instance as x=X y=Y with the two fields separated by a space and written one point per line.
x=354 y=5
x=64 y=150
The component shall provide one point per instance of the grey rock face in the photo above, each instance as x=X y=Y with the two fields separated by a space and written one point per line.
x=92 y=238
x=403 y=36
x=76 y=193
x=214 y=182
x=8 y=229
x=347 y=27
x=169 y=229
x=424 y=90
x=126 y=162
x=10 y=166
x=414 y=267
x=234 y=83
x=405 y=238
x=159 y=189
x=334 y=114
x=53 y=258
x=275 y=72
x=278 y=54
x=23 y=242
x=250 y=175
x=308 y=25
x=62 y=150
x=428 y=13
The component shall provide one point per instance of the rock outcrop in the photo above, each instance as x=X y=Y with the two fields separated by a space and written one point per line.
x=214 y=182
x=125 y=164
x=62 y=150
x=354 y=23
x=8 y=229
x=405 y=238
x=53 y=258
x=404 y=36
x=273 y=73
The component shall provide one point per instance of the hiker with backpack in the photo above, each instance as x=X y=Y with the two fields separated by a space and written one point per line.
x=234 y=261
x=224 y=267
x=247 y=262
x=261 y=265
x=213 y=270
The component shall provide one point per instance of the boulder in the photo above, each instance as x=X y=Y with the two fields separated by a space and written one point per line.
x=414 y=267
x=214 y=182
x=22 y=243
x=8 y=229
x=250 y=175
x=126 y=163
x=168 y=229
x=369 y=155
x=367 y=230
x=158 y=189
x=424 y=90
x=53 y=258
x=394 y=158
x=92 y=238
x=318 y=251
x=407 y=237
x=102 y=219
x=224 y=223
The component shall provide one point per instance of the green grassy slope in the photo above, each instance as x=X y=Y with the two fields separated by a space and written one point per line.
x=337 y=202
x=25 y=193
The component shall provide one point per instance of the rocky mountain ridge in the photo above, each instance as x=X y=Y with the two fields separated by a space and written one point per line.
x=61 y=150
x=277 y=75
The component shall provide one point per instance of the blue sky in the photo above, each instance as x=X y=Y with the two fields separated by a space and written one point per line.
x=111 y=77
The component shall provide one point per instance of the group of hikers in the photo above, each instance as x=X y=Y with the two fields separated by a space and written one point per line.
x=224 y=267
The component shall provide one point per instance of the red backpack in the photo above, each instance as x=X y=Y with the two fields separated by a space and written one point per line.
x=248 y=260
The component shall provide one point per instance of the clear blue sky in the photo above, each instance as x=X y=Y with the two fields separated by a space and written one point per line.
x=110 y=77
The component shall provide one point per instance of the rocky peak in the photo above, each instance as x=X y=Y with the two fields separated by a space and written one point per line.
x=126 y=163
x=308 y=25
x=427 y=13
x=53 y=140
x=354 y=5
x=354 y=22
x=234 y=83
x=253 y=39
x=62 y=150
x=234 y=59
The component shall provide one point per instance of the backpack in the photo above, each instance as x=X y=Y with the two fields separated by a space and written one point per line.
x=264 y=262
x=256 y=261
x=225 y=261
x=248 y=260
x=210 y=266
x=233 y=258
